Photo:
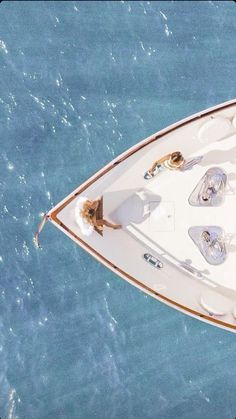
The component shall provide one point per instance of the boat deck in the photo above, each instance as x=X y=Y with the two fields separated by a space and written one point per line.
x=156 y=217
x=160 y=214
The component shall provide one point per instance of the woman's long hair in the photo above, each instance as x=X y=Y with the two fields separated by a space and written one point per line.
x=177 y=157
x=87 y=212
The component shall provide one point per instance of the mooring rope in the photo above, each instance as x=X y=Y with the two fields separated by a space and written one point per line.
x=40 y=227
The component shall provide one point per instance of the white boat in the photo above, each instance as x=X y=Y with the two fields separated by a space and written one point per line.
x=173 y=245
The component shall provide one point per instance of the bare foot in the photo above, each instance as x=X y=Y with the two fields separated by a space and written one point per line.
x=148 y=175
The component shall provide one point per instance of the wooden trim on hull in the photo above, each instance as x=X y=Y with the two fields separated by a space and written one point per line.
x=140 y=284
x=52 y=215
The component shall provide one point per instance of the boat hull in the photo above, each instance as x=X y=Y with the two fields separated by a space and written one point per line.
x=196 y=294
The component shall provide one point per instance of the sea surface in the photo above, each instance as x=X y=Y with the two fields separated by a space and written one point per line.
x=80 y=82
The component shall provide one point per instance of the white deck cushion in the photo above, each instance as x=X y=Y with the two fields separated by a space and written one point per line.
x=214 y=303
x=234 y=312
x=214 y=129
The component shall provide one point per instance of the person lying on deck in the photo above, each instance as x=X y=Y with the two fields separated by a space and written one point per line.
x=172 y=161
x=86 y=216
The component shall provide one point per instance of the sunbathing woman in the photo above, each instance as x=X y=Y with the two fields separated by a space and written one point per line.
x=172 y=161
x=86 y=216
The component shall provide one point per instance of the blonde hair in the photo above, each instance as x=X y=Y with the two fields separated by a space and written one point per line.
x=87 y=212
x=177 y=157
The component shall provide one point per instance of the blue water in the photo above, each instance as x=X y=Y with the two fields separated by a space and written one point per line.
x=80 y=83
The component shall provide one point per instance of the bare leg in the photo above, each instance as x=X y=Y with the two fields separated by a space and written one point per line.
x=156 y=163
x=151 y=170
x=108 y=224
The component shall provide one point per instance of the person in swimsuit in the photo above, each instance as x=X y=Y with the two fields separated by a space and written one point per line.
x=172 y=161
x=213 y=241
x=86 y=216
x=208 y=194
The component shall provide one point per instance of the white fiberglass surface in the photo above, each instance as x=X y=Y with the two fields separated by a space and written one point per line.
x=159 y=208
x=171 y=216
